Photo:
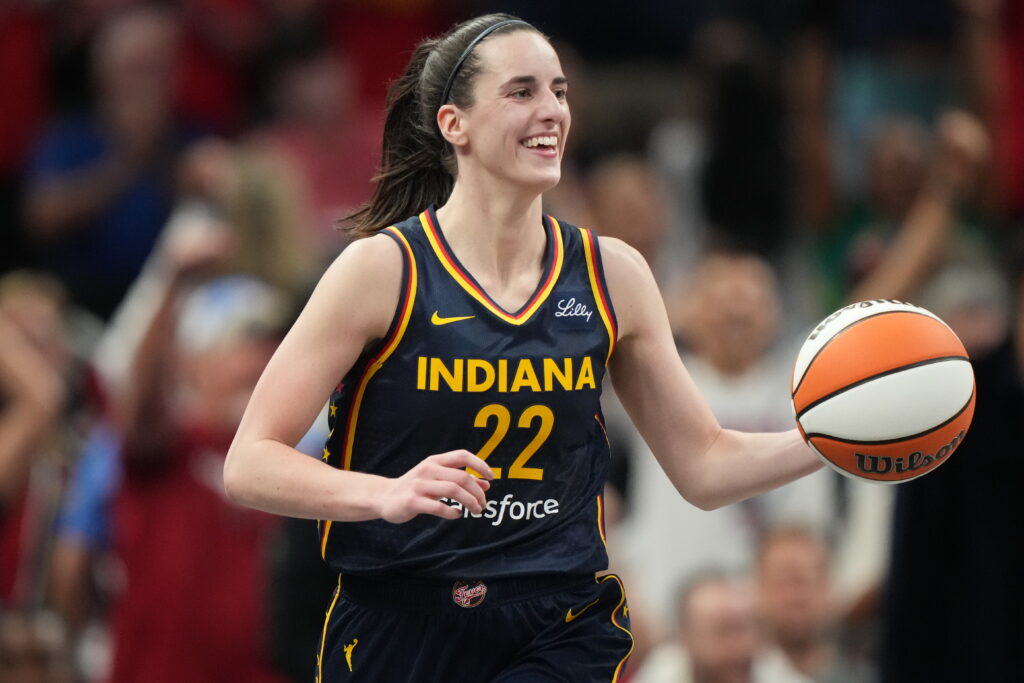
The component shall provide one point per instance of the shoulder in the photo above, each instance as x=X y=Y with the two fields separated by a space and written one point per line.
x=374 y=260
x=624 y=267
x=631 y=285
x=362 y=286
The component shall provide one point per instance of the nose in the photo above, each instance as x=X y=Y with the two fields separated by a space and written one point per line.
x=550 y=108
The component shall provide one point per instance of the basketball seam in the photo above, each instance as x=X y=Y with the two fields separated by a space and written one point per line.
x=884 y=442
x=843 y=329
x=891 y=371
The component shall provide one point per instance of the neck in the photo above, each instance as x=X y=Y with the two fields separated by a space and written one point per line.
x=493 y=233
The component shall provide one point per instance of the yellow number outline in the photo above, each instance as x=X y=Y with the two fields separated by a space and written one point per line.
x=518 y=470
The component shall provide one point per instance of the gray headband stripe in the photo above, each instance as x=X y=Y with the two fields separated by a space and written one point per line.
x=469 y=48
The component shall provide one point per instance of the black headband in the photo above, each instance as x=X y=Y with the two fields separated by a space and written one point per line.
x=469 y=48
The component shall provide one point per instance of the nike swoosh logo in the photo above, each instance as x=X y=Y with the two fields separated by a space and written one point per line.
x=438 y=320
x=569 y=616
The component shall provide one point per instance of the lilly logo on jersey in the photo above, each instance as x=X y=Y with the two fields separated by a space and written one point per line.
x=570 y=308
x=505 y=375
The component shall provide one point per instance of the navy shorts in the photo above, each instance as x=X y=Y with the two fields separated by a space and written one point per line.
x=536 y=629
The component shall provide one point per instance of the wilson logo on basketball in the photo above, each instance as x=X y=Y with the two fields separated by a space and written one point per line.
x=883 y=464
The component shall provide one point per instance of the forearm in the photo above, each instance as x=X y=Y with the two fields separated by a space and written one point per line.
x=144 y=404
x=56 y=207
x=739 y=465
x=915 y=253
x=270 y=476
x=33 y=394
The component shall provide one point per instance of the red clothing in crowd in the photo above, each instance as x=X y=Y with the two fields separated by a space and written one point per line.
x=194 y=601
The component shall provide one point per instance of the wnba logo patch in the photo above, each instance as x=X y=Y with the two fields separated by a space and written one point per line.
x=466 y=594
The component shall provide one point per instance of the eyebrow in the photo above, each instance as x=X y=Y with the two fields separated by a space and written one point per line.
x=532 y=80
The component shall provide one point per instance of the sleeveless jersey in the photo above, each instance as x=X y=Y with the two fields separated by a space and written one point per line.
x=521 y=390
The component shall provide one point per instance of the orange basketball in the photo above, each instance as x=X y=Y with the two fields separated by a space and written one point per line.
x=883 y=390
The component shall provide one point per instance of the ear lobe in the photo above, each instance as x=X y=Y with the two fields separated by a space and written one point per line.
x=451 y=124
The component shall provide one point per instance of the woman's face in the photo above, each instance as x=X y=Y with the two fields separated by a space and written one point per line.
x=516 y=128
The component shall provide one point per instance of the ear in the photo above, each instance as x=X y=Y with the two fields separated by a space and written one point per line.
x=452 y=125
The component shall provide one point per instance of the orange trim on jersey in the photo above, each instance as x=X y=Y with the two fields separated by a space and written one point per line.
x=463 y=278
x=597 y=418
x=620 y=606
x=323 y=636
x=375 y=364
x=600 y=520
x=600 y=296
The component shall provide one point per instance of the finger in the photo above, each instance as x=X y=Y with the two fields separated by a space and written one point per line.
x=463 y=458
x=446 y=489
x=438 y=509
x=474 y=485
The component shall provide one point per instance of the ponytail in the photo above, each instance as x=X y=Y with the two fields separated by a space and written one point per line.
x=417 y=165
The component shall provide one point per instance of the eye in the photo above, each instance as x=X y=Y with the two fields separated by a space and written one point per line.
x=561 y=93
x=520 y=94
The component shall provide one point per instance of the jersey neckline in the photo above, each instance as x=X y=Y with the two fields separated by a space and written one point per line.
x=554 y=256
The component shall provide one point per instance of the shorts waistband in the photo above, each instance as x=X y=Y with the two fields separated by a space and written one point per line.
x=418 y=594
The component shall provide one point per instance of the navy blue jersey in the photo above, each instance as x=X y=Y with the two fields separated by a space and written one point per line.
x=520 y=389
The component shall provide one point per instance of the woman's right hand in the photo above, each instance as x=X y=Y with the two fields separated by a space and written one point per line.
x=420 y=490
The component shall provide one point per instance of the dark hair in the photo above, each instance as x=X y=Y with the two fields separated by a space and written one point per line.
x=417 y=165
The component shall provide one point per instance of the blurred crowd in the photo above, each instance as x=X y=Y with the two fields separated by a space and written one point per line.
x=173 y=176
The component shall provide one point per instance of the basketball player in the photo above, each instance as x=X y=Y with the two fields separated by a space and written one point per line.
x=460 y=490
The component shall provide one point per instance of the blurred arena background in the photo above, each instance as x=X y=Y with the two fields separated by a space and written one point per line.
x=172 y=175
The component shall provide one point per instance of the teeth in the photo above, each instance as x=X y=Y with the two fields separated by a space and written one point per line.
x=546 y=140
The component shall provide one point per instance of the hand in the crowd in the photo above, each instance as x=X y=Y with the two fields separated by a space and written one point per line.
x=419 y=491
x=963 y=147
x=198 y=244
x=208 y=169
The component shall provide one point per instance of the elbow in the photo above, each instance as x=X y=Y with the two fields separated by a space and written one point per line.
x=234 y=480
x=703 y=500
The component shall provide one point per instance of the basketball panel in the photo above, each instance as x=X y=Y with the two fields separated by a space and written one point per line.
x=894 y=406
x=872 y=346
x=840 y=320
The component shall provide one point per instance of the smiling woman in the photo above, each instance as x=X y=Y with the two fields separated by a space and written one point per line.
x=460 y=493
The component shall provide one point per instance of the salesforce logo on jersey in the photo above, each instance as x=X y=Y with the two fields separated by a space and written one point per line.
x=508 y=508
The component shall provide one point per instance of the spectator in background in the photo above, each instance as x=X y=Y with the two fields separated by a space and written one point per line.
x=321 y=136
x=627 y=200
x=31 y=394
x=38 y=365
x=731 y=330
x=717 y=639
x=910 y=225
x=953 y=602
x=235 y=214
x=99 y=187
x=218 y=42
x=193 y=600
x=796 y=608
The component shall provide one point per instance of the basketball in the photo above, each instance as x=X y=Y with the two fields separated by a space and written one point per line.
x=883 y=391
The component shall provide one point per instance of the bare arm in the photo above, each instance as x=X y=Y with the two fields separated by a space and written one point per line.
x=57 y=206
x=352 y=305
x=32 y=392
x=710 y=466
x=920 y=245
